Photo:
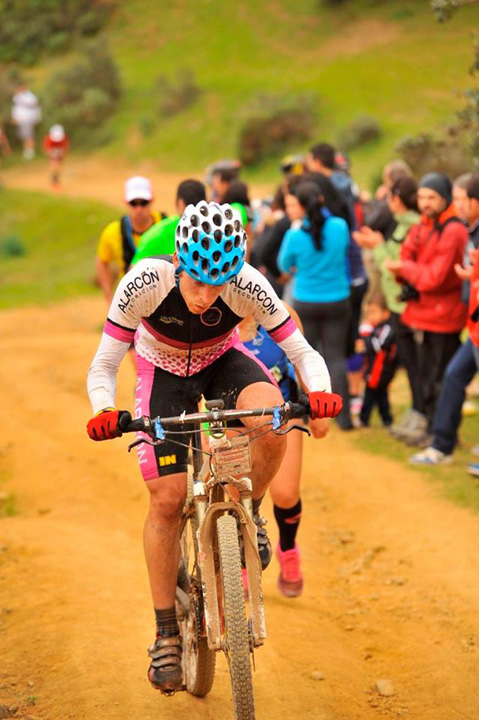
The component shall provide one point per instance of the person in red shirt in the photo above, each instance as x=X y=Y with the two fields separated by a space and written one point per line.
x=55 y=145
x=432 y=289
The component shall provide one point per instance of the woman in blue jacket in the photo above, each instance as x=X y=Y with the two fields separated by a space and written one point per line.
x=314 y=250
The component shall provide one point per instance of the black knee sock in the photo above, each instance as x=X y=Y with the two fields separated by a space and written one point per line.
x=166 y=623
x=288 y=523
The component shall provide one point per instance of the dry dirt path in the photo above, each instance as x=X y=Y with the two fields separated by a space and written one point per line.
x=391 y=570
x=102 y=179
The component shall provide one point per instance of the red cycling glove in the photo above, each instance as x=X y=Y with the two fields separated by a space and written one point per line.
x=324 y=405
x=104 y=426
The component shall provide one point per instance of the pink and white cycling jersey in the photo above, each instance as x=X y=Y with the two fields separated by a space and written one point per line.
x=148 y=308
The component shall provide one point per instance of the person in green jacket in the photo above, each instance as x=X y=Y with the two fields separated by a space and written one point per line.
x=402 y=201
x=160 y=239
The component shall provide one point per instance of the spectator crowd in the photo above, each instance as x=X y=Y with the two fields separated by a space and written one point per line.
x=379 y=283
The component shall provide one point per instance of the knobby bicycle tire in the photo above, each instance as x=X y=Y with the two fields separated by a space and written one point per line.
x=237 y=644
x=198 y=660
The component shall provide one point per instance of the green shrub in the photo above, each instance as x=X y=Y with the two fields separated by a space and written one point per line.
x=360 y=131
x=177 y=95
x=427 y=153
x=84 y=95
x=29 y=28
x=11 y=246
x=273 y=124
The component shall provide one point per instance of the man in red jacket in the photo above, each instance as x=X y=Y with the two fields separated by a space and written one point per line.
x=432 y=289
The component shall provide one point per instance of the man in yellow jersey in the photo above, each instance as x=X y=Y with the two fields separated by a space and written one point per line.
x=119 y=240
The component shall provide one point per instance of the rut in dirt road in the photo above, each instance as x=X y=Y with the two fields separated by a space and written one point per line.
x=390 y=568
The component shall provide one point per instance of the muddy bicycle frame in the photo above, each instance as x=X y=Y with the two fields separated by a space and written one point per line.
x=225 y=465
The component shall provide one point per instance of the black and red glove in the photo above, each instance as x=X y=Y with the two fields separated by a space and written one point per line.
x=106 y=425
x=324 y=405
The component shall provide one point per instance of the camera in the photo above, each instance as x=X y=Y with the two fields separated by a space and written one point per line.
x=408 y=292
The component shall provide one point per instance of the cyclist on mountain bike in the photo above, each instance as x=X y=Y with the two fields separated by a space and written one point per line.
x=184 y=319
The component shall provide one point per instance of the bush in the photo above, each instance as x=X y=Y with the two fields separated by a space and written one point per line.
x=274 y=124
x=29 y=28
x=177 y=95
x=427 y=153
x=84 y=95
x=11 y=246
x=360 y=131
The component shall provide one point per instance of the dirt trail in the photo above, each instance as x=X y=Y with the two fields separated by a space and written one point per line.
x=391 y=570
x=102 y=179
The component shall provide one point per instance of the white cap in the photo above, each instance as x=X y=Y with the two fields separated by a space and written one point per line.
x=57 y=133
x=138 y=188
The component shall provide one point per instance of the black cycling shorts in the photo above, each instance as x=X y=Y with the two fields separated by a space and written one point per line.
x=159 y=392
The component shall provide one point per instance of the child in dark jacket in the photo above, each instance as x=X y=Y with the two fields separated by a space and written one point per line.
x=379 y=349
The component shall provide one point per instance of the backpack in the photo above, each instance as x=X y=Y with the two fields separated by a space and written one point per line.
x=127 y=242
x=128 y=245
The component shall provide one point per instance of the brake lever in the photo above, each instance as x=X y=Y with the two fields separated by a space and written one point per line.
x=293 y=427
x=153 y=443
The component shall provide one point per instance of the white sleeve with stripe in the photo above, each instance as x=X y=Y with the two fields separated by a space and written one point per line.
x=139 y=292
x=250 y=293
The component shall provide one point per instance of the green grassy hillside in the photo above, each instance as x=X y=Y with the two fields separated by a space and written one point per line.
x=387 y=59
x=58 y=237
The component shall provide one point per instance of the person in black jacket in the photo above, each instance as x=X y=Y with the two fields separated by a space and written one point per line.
x=379 y=349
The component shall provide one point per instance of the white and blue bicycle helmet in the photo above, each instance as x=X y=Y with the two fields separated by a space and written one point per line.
x=210 y=242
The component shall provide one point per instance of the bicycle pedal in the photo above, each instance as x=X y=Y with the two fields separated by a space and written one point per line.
x=169 y=692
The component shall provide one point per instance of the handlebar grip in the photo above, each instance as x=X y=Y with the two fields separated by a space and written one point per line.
x=127 y=425
x=301 y=408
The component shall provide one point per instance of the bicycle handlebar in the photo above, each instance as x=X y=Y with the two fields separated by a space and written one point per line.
x=287 y=411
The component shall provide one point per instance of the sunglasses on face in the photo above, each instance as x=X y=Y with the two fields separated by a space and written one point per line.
x=139 y=203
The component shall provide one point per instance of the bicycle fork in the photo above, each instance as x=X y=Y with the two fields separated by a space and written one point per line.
x=207 y=514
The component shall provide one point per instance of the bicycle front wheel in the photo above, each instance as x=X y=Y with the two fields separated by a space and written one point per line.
x=237 y=645
x=198 y=660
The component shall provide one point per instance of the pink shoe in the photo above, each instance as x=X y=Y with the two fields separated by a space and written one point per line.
x=290 y=580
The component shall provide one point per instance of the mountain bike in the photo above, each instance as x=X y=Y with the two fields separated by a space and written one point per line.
x=218 y=539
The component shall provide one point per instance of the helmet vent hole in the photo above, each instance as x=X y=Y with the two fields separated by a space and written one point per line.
x=195 y=235
x=216 y=256
x=178 y=230
x=193 y=272
x=214 y=274
x=228 y=246
x=218 y=236
x=195 y=221
x=225 y=268
x=228 y=214
x=237 y=241
x=237 y=225
x=206 y=227
x=195 y=256
x=217 y=219
x=235 y=262
x=228 y=229
x=204 y=210
x=178 y=246
x=185 y=248
x=205 y=244
x=205 y=266
x=185 y=231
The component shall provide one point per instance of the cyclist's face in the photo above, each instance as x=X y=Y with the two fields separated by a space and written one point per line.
x=198 y=296
x=430 y=203
x=294 y=210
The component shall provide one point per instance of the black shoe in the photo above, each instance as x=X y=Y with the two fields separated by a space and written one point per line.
x=165 y=672
x=264 y=546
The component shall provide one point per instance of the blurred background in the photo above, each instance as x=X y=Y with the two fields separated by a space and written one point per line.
x=166 y=89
